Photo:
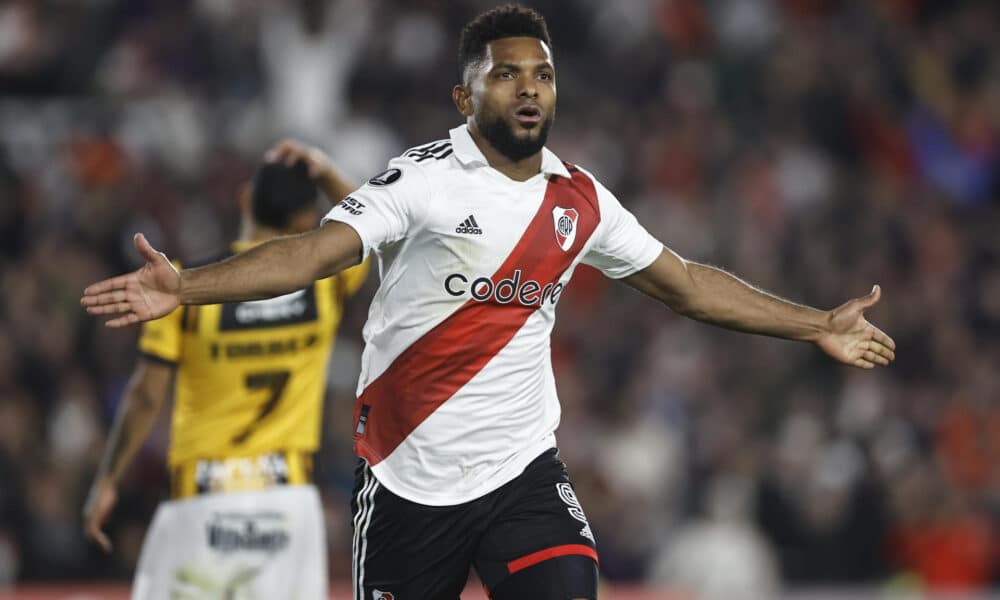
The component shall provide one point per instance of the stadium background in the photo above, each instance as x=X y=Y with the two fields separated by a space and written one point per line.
x=814 y=147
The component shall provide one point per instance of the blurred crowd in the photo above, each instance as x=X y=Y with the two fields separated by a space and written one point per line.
x=814 y=147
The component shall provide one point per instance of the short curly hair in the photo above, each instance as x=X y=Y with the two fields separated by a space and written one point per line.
x=502 y=22
x=280 y=191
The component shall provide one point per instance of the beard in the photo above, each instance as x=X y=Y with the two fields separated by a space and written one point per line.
x=500 y=134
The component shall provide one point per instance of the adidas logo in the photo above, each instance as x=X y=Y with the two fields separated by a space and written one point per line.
x=469 y=226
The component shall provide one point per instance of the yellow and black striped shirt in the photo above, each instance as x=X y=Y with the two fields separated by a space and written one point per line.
x=250 y=375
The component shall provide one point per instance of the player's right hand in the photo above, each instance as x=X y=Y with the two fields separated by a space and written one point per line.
x=143 y=295
x=101 y=501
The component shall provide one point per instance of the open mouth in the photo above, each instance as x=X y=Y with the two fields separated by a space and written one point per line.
x=528 y=113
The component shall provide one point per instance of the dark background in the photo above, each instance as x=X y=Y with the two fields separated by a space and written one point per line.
x=814 y=147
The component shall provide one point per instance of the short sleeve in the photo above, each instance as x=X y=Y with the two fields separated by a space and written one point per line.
x=161 y=339
x=384 y=209
x=623 y=246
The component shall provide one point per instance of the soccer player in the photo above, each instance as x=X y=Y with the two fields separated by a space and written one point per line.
x=476 y=237
x=248 y=381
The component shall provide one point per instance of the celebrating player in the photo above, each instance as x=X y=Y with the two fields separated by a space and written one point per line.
x=248 y=380
x=477 y=235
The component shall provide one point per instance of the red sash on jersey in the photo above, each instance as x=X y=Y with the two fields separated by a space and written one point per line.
x=447 y=357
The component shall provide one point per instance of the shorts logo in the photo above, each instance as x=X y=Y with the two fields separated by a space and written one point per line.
x=564 y=220
x=386 y=177
x=380 y=595
x=233 y=532
x=567 y=495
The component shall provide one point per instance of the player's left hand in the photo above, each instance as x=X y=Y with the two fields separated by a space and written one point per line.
x=96 y=511
x=852 y=340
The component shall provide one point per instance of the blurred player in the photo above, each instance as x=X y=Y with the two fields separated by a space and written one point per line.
x=476 y=237
x=248 y=381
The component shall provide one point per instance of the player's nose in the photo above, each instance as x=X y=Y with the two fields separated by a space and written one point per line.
x=527 y=88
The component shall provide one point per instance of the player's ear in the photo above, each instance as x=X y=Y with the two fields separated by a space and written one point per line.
x=461 y=95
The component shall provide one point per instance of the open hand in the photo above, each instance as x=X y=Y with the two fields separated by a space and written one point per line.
x=854 y=341
x=143 y=295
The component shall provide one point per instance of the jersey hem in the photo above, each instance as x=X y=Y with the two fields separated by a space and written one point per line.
x=158 y=359
x=209 y=497
x=175 y=461
x=511 y=471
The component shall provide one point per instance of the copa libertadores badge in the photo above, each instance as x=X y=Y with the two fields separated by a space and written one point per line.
x=386 y=177
x=564 y=220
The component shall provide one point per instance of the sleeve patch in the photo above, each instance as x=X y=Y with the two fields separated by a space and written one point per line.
x=352 y=205
x=386 y=177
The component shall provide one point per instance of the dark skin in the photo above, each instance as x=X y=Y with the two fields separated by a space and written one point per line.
x=514 y=74
x=518 y=71
x=150 y=382
x=141 y=403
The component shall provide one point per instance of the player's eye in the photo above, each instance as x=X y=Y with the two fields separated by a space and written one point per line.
x=506 y=75
x=545 y=76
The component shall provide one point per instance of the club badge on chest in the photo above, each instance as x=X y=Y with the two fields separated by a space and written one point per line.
x=564 y=221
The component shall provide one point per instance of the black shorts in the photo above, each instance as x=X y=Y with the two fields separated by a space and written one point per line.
x=530 y=534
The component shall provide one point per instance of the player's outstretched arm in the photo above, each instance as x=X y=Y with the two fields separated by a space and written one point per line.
x=711 y=295
x=141 y=403
x=278 y=266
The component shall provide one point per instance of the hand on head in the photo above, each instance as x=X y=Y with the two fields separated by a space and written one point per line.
x=289 y=152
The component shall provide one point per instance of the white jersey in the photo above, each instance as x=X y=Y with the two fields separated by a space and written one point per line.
x=456 y=394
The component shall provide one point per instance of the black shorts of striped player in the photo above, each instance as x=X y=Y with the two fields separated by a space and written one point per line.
x=527 y=539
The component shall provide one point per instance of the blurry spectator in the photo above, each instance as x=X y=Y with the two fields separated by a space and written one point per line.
x=940 y=536
x=819 y=508
x=309 y=47
x=721 y=555
x=812 y=145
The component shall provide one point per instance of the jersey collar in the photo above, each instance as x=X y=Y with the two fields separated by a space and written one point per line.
x=468 y=153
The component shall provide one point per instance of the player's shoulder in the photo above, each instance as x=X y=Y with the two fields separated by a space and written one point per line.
x=426 y=158
x=431 y=151
x=416 y=168
x=590 y=186
x=581 y=175
x=577 y=172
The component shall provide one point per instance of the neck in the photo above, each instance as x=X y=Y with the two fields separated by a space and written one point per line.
x=518 y=170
